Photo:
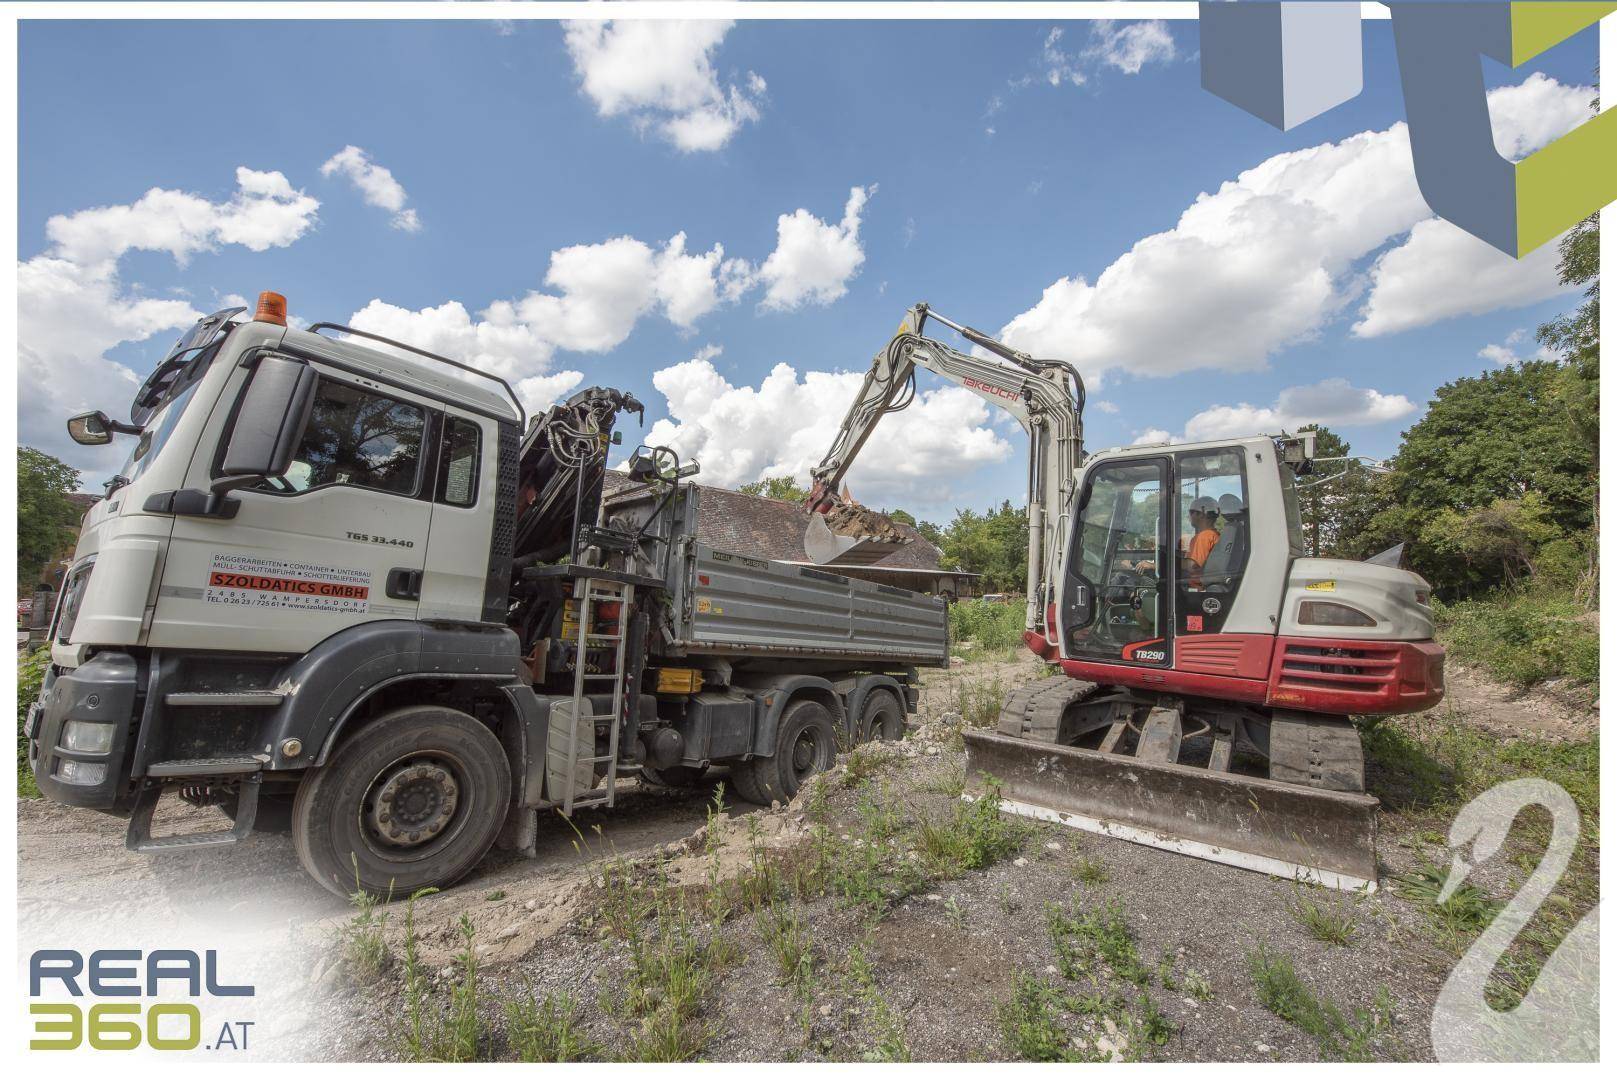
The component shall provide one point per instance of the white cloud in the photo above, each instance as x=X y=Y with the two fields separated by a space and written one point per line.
x=1110 y=408
x=1508 y=353
x=376 y=185
x=813 y=260
x=783 y=426
x=1130 y=46
x=1535 y=113
x=1269 y=259
x=1056 y=64
x=1333 y=402
x=72 y=307
x=661 y=74
x=1441 y=271
x=264 y=212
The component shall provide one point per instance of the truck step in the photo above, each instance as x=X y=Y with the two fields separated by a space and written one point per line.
x=231 y=766
x=251 y=699
x=140 y=838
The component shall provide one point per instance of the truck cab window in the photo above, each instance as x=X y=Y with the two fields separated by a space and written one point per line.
x=458 y=460
x=361 y=438
x=1214 y=538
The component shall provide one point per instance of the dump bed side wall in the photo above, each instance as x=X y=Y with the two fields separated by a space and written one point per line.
x=733 y=604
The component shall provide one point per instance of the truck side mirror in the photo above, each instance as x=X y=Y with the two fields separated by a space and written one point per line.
x=270 y=423
x=90 y=429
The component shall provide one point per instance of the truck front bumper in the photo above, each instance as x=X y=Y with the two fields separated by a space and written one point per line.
x=79 y=732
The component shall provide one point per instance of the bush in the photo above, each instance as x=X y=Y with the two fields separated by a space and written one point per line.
x=1524 y=637
x=990 y=626
x=30 y=674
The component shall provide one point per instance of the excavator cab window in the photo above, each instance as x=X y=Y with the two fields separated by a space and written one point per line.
x=1214 y=537
x=1118 y=555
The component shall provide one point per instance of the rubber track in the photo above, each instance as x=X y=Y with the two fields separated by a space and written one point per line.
x=1034 y=711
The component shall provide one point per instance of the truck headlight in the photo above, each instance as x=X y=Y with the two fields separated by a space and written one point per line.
x=86 y=736
x=87 y=773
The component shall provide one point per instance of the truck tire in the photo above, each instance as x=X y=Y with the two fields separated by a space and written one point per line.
x=414 y=799
x=805 y=743
x=882 y=717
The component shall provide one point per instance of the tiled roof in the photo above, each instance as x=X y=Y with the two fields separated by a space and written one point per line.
x=772 y=529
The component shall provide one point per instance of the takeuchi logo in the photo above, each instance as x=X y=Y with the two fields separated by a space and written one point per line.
x=1516 y=206
x=78 y=1000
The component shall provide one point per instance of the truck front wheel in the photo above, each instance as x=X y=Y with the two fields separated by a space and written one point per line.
x=414 y=799
x=805 y=743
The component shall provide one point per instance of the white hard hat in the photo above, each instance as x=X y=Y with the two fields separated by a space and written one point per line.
x=1231 y=504
x=1203 y=504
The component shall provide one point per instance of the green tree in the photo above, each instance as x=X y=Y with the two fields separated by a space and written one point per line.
x=992 y=544
x=783 y=488
x=45 y=516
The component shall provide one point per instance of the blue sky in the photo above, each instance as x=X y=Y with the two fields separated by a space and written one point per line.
x=984 y=185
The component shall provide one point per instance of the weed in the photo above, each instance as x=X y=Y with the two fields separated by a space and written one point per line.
x=784 y=931
x=956 y=913
x=1284 y=994
x=1196 y=985
x=952 y=783
x=497 y=894
x=1523 y=637
x=878 y=812
x=1030 y=1022
x=1456 y=920
x=549 y=1032
x=890 y=1044
x=1332 y=921
x=1082 y=938
x=991 y=627
x=863 y=762
x=978 y=701
x=433 y=1033
x=1088 y=871
x=974 y=836
x=365 y=951
x=671 y=973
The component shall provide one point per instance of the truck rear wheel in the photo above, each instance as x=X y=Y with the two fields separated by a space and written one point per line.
x=414 y=799
x=883 y=717
x=805 y=743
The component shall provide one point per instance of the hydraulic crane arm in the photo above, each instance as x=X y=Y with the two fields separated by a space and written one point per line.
x=1045 y=396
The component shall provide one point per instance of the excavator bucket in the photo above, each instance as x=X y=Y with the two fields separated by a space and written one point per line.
x=1289 y=830
x=851 y=536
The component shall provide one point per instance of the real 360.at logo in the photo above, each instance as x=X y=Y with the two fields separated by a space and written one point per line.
x=118 y=1017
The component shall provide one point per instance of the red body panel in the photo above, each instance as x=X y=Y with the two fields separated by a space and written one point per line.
x=1325 y=675
x=1345 y=675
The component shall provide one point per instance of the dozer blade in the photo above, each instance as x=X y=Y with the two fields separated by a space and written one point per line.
x=1291 y=831
x=833 y=548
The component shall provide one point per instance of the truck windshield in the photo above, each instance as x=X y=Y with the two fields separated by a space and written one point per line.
x=157 y=432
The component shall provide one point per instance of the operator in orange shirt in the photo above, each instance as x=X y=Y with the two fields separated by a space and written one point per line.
x=1203 y=515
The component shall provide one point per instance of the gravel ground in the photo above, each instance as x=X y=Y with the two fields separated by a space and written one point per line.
x=939 y=961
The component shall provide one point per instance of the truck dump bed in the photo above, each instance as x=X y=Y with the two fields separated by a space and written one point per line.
x=722 y=603
x=732 y=604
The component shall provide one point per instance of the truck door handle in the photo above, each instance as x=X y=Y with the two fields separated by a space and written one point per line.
x=404 y=583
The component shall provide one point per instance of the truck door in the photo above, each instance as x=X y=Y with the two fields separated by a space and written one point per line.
x=1115 y=600
x=465 y=505
x=339 y=541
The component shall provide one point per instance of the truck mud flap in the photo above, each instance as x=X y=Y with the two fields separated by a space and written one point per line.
x=1288 y=830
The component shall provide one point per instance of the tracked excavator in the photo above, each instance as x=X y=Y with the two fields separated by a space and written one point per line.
x=1208 y=670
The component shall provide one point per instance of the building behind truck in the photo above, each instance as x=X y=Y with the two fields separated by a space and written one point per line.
x=345 y=587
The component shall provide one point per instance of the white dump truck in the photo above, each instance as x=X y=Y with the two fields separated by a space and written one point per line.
x=343 y=586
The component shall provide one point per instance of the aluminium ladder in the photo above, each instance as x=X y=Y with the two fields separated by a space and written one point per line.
x=591 y=591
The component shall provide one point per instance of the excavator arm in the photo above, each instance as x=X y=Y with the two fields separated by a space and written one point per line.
x=1045 y=396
